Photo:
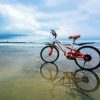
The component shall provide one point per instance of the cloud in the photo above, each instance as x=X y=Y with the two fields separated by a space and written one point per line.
x=38 y=20
x=20 y=17
x=82 y=20
x=90 y=6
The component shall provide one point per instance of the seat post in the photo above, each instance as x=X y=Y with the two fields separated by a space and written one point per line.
x=74 y=41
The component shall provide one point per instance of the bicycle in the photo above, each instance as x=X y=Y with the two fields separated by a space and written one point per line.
x=86 y=57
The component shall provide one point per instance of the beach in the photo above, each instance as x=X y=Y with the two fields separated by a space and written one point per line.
x=21 y=78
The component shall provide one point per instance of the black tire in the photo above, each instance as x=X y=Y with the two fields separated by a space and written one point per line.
x=49 y=71
x=95 y=58
x=90 y=81
x=49 y=61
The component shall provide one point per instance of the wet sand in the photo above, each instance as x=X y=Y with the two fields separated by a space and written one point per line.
x=20 y=77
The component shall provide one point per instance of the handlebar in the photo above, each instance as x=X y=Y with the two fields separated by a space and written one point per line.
x=53 y=33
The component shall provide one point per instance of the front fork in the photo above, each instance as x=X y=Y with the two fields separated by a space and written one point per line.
x=51 y=50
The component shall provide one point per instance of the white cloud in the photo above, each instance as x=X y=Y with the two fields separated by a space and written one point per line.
x=21 y=18
x=90 y=6
x=73 y=22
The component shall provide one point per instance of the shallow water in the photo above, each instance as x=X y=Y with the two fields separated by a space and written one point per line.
x=21 y=77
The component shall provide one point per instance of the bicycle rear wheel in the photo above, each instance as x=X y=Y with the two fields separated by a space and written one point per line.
x=92 y=59
x=45 y=54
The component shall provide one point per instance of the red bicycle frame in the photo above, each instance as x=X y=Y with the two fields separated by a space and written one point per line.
x=75 y=54
x=72 y=54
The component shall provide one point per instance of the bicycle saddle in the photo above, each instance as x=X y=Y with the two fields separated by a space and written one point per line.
x=74 y=37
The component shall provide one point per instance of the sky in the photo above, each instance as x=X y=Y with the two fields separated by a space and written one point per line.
x=32 y=20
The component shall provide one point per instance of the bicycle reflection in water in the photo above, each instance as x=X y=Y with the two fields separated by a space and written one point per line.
x=79 y=81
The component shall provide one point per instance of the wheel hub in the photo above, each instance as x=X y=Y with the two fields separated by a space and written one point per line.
x=87 y=57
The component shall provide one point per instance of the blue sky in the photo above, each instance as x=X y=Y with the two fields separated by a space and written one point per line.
x=31 y=20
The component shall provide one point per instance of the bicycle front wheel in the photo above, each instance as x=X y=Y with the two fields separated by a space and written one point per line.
x=92 y=59
x=45 y=54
